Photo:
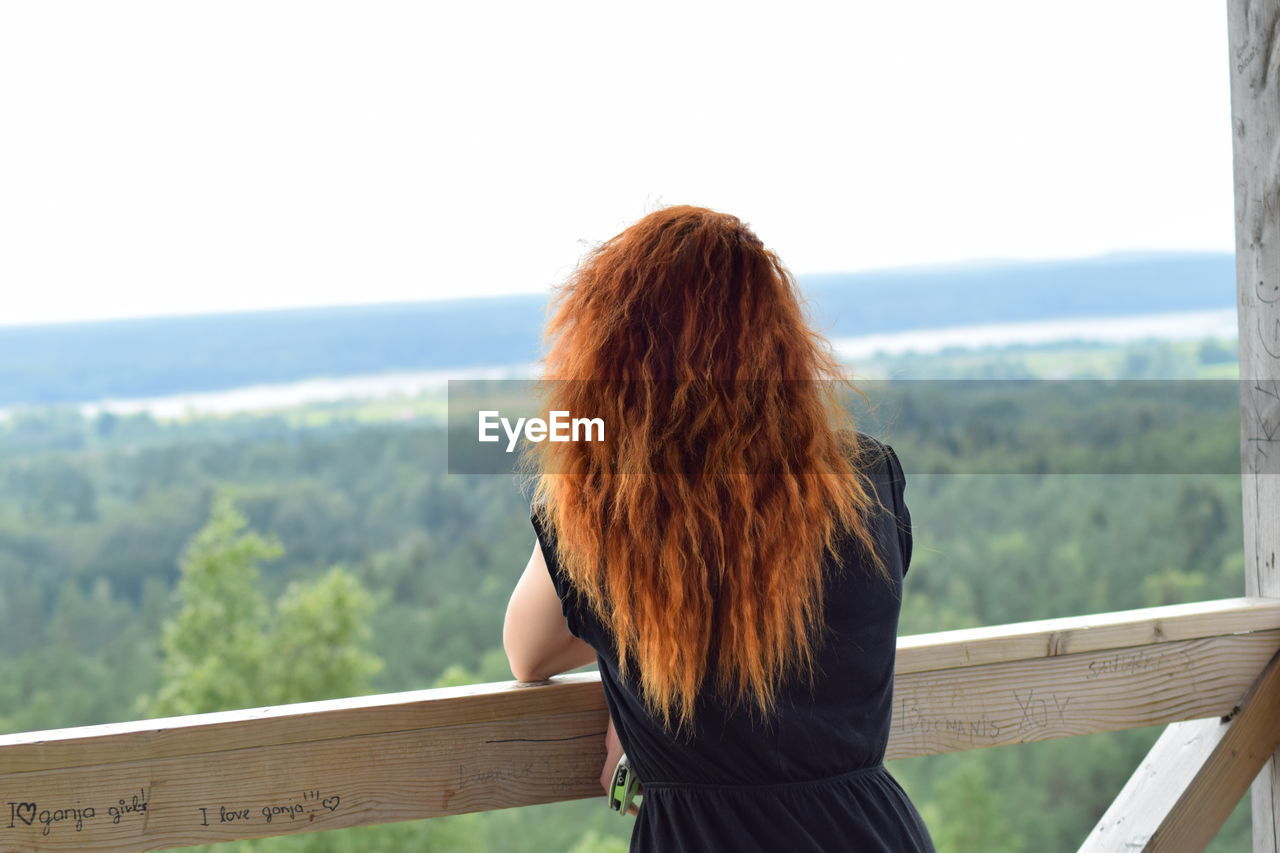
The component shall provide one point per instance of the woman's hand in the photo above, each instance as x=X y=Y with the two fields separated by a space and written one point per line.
x=612 y=752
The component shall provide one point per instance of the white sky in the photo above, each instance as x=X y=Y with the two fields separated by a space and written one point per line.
x=175 y=157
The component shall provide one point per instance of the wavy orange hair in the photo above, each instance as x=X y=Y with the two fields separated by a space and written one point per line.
x=688 y=337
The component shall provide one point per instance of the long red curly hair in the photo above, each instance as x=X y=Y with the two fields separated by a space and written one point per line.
x=697 y=532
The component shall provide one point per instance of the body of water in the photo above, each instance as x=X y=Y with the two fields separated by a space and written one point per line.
x=289 y=394
x=1182 y=325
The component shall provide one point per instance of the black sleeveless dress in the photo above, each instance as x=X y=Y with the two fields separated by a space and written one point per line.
x=813 y=777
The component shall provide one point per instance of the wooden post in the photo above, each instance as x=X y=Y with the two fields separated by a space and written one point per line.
x=1253 y=28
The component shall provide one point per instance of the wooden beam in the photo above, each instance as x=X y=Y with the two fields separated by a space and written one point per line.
x=305 y=722
x=1058 y=696
x=1078 y=634
x=1193 y=777
x=375 y=759
x=1253 y=28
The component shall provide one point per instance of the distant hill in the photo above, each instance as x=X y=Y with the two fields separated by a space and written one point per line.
x=850 y=304
x=77 y=362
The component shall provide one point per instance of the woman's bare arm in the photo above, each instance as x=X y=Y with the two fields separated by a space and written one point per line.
x=534 y=634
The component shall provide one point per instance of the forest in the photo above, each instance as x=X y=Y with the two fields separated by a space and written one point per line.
x=151 y=567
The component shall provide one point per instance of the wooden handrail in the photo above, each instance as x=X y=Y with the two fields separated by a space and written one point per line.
x=151 y=784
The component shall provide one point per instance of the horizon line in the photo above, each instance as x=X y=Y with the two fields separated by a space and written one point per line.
x=940 y=267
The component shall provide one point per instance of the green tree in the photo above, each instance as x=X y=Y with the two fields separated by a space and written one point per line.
x=226 y=647
x=966 y=814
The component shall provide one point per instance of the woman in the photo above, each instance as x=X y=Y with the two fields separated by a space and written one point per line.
x=732 y=556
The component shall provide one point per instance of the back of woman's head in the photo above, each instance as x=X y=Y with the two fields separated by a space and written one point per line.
x=697 y=531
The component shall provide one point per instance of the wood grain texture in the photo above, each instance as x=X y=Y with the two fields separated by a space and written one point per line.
x=1193 y=777
x=304 y=786
x=405 y=756
x=303 y=722
x=1076 y=634
x=1040 y=699
x=1253 y=28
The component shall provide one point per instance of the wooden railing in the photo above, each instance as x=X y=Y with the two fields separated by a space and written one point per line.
x=1210 y=669
x=177 y=781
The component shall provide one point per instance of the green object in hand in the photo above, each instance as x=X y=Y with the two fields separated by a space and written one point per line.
x=623 y=789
